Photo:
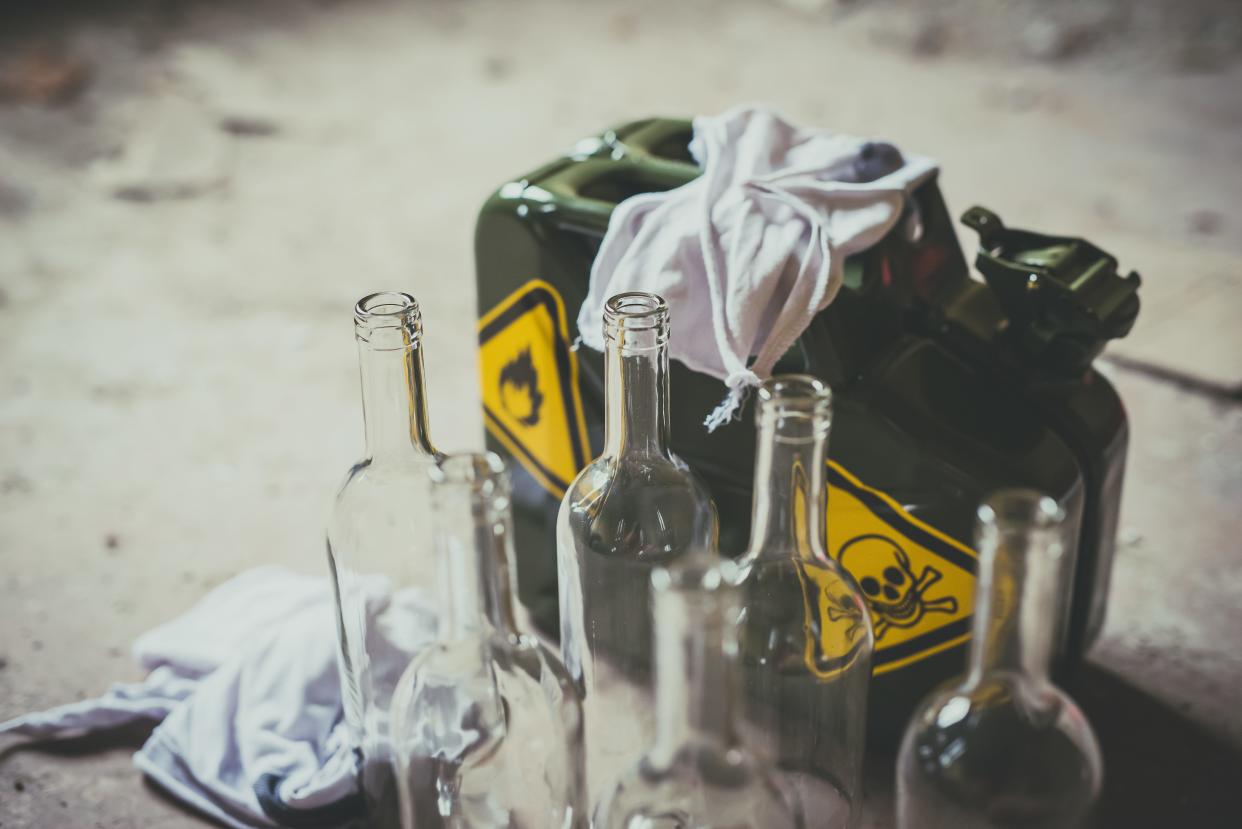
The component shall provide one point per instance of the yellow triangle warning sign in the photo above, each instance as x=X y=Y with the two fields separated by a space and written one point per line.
x=918 y=582
x=529 y=381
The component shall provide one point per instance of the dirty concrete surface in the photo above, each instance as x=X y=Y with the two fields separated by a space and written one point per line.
x=188 y=212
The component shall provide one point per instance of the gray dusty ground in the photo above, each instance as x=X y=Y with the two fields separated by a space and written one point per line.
x=177 y=381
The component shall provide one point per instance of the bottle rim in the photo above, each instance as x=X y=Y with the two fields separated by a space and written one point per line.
x=636 y=313
x=796 y=393
x=797 y=406
x=1020 y=508
x=388 y=310
x=483 y=472
x=700 y=571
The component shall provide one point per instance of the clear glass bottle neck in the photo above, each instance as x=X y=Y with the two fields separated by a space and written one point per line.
x=476 y=555
x=1021 y=545
x=636 y=376
x=696 y=675
x=388 y=329
x=790 y=491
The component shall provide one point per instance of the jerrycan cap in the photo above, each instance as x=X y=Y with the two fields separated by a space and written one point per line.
x=1062 y=295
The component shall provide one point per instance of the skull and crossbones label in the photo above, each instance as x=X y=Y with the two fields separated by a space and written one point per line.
x=896 y=596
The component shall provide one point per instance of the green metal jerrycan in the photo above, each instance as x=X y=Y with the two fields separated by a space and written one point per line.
x=945 y=389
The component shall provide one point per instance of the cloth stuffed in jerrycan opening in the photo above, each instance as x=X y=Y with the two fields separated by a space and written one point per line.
x=945 y=389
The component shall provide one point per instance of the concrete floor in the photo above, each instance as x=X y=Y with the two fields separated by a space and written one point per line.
x=177 y=382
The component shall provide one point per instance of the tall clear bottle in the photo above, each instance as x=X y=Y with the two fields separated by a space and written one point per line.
x=697 y=773
x=1005 y=747
x=806 y=634
x=635 y=507
x=487 y=724
x=379 y=529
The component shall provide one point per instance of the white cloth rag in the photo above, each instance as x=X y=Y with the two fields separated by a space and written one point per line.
x=246 y=688
x=753 y=248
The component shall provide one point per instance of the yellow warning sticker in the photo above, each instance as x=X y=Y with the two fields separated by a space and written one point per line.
x=529 y=381
x=918 y=582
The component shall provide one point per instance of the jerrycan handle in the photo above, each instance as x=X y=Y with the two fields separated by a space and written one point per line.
x=1062 y=295
x=644 y=157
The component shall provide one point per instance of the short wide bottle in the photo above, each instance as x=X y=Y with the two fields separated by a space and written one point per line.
x=635 y=507
x=806 y=635
x=1005 y=747
x=698 y=773
x=487 y=725
x=378 y=538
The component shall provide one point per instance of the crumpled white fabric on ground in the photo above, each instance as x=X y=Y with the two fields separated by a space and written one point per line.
x=751 y=250
x=246 y=688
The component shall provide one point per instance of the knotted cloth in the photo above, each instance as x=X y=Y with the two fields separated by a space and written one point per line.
x=751 y=250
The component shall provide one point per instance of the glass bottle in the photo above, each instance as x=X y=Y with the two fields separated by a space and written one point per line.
x=487 y=724
x=377 y=537
x=697 y=773
x=635 y=507
x=1005 y=747
x=806 y=634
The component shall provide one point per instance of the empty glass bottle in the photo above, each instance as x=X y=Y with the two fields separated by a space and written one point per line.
x=379 y=530
x=1005 y=747
x=697 y=773
x=806 y=634
x=633 y=508
x=487 y=725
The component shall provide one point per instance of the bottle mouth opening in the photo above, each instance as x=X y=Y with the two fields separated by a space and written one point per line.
x=636 y=313
x=796 y=393
x=701 y=571
x=387 y=311
x=1014 y=510
x=800 y=403
x=482 y=473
